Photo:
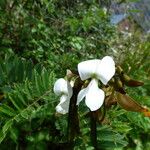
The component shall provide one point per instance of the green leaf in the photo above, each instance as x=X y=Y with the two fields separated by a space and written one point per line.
x=7 y=110
x=14 y=102
x=5 y=129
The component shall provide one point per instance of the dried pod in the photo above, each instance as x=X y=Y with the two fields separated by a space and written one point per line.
x=130 y=82
x=128 y=103
x=134 y=83
x=127 y=80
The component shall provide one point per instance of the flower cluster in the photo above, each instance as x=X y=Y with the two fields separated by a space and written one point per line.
x=94 y=70
x=101 y=84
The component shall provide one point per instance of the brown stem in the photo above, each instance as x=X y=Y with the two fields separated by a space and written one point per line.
x=73 y=121
x=93 y=118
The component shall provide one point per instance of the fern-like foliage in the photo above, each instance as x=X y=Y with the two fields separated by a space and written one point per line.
x=27 y=113
x=26 y=98
x=14 y=69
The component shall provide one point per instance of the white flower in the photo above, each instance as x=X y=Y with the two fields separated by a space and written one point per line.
x=96 y=69
x=63 y=89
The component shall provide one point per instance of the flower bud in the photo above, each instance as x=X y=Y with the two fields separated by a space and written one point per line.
x=119 y=84
x=119 y=70
x=69 y=74
x=126 y=78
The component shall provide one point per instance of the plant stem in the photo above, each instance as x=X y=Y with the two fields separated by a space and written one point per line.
x=73 y=121
x=93 y=129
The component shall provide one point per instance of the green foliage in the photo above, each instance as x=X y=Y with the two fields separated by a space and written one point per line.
x=47 y=30
x=39 y=40
x=14 y=69
x=133 y=54
x=27 y=98
x=108 y=136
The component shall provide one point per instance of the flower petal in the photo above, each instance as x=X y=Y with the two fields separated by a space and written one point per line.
x=81 y=95
x=87 y=68
x=63 y=106
x=95 y=96
x=106 y=69
x=70 y=91
x=60 y=86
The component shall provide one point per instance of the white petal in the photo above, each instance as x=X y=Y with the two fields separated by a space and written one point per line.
x=63 y=98
x=69 y=88
x=87 y=68
x=60 y=86
x=95 y=96
x=63 y=106
x=106 y=69
x=81 y=95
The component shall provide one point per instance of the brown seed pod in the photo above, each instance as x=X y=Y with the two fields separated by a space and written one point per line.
x=128 y=103
x=126 y=79
x=130 y=82
x=134 y=83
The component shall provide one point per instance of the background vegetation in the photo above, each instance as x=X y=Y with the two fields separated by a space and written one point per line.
x=39 y=40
